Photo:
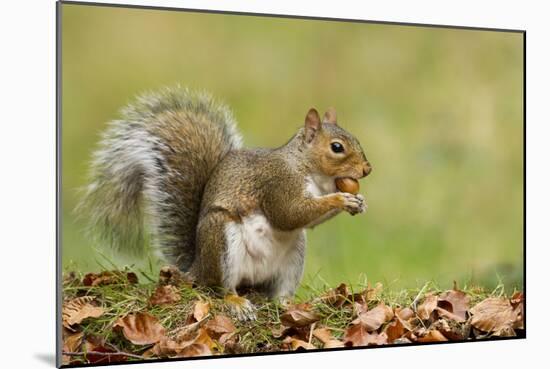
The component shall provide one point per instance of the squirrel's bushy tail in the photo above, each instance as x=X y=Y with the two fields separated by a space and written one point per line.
x=149 y=172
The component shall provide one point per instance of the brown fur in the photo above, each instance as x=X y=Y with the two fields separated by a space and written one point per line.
x=273 y=181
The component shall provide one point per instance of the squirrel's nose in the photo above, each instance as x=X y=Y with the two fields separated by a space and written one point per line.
x=367 y=168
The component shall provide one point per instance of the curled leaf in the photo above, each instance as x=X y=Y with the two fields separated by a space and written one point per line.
x=455 y=302
x=400 y=325
x=220 y=326
x=494 y=315
x=425 y=309
x=296 y=344
x=200 y=310
x=76 y=310
x=373 y=319
x=140 y=328
x=324 y=335
x=357 y=335
x=432 y=335
x=298 y=316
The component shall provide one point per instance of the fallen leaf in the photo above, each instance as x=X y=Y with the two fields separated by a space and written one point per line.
x=140 y=328
x=109 y=277
x=96 y=344
x=456 y=302
x=373 y=319
x=517 y=303
x=71 y=343
x=446 y=313
x=204 y=338
x=200 y=310
x=369 y=294
x=196 y=349
x=170 y=348
x=165 y=295
x=220 y=326
x=425 y=309
x=170 y=274
x=294 y=344
x=336 y=297
x=298 y=316
x=76 y=310
x=432 y=335
x=324 y=335
x=357 y=335
x=360 y=308
x=451 y=329
x=494 y=315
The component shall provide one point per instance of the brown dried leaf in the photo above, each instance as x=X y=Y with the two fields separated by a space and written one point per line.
x=360 y=308
x=451 y=329
x=445 y=313
x=298 y=316
x=97 y=344
x=71 y=343
x=170 y=348
x=455 y=302
x=140 y=328
x=294 y=344
x=494 y=315
x=400 y=325
x=204 y=338
x=196 y=349
x=425 y=309
x=337 y=296
x=373 y=319
x=324 y=335
x=394 y=330
x=165 y=295
x=432 y=335
x=76 y=310
x=201 y=310
x=517 y=303
x=219 y=326
x=109 y=277
x=357 y=335
x=369 y=294
x=170 y=274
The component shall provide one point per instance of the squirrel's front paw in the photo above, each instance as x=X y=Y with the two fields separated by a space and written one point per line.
x=240 y=307
x=353 y=204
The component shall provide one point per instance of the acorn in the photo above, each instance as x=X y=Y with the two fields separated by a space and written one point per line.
x=348 y=185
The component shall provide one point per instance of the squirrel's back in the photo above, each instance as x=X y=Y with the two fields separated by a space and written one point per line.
x=149 y=172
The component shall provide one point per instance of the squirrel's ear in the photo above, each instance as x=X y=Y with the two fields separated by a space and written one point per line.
x=330 y=116
x=313 y=124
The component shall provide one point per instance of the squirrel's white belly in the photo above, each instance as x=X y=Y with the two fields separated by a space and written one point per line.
x=256 y=251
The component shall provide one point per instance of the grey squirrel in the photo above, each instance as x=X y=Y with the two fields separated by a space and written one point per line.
x=173 y=171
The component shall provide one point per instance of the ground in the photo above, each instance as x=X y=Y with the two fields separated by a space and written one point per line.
x=116 y=315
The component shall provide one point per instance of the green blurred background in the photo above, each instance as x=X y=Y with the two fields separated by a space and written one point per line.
x=439 y=113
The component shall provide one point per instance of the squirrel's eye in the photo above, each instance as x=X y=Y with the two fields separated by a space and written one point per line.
x=337 y=147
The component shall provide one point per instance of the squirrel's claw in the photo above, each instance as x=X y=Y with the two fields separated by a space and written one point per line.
x=240 y=307
x=353 y=204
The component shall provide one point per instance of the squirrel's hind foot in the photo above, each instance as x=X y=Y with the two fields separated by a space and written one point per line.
x=240 y=307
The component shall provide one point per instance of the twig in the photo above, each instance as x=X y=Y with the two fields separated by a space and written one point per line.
x=99 y=353
x=311 y=332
